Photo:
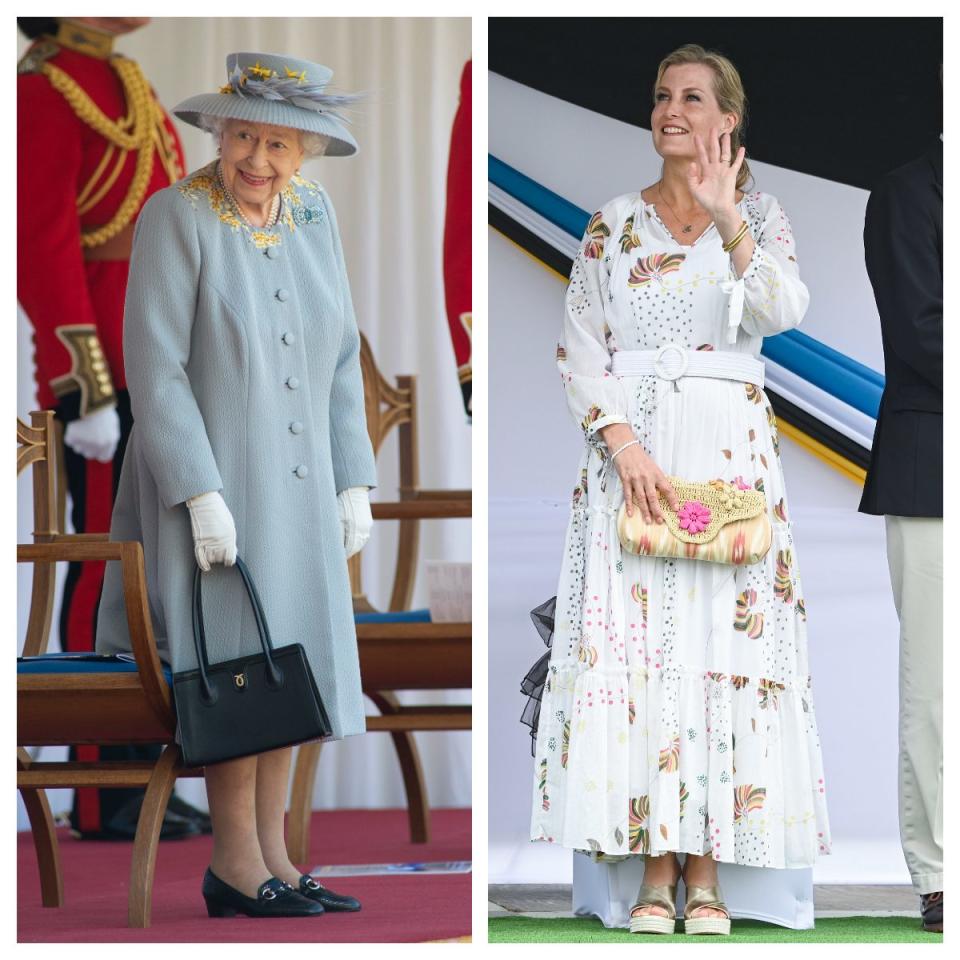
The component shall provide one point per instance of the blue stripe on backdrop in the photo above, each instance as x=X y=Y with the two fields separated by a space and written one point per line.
x=833 y=372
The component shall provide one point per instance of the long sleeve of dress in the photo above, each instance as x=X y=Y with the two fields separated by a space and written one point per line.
x=353 y=460
x=594 y=396
x=773 y=296
x=158 y=320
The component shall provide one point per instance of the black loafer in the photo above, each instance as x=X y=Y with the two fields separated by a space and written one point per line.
x=181 y=808
x=274 y=899
x=931 y=909
x=332 y=902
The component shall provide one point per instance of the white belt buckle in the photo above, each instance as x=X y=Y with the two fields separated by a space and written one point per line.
x=660 y=367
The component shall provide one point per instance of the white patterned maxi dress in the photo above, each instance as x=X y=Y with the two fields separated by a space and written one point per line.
x=677 y=712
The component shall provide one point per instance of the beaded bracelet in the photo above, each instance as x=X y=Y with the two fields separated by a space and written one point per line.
x=624 y=447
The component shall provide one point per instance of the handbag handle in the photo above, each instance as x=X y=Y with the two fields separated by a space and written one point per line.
x=274 y=674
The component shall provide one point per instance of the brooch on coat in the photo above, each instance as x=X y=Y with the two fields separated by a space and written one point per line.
x=303 y=215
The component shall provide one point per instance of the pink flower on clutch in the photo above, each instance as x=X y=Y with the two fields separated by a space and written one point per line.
x=693 y=516
x=740 y=483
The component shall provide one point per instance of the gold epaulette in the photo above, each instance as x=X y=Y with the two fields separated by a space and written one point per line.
x=89 y=373
x=33 y=60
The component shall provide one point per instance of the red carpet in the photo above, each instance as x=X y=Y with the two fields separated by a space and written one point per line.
x=395 y=908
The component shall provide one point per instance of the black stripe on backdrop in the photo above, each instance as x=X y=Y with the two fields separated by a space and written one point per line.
x=846 y=99
x=784 y=409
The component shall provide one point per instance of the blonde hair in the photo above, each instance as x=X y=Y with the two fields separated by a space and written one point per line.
x=727 y=88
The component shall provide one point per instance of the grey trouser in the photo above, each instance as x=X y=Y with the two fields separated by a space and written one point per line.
x=915 y=557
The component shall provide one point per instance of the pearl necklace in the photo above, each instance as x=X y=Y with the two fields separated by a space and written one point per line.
x=274 y=206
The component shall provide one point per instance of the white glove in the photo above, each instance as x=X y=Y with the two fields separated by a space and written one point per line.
x=356 y=520
x=96 y=435
x=214 y=534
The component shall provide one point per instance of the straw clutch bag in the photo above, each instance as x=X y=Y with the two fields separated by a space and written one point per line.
x=717 y=522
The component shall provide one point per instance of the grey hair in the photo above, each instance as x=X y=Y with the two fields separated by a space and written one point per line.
x=314 y=144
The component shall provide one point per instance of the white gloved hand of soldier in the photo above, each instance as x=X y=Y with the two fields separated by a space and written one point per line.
x=96 y=435
x=356 y=520
x=214 y=533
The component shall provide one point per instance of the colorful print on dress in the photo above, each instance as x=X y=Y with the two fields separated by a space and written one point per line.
x=780 y=510
x=628 y=239
x=753 y=393
x=565 y=745
x=747 y=798
x=544 y=800
x=747 y=621
x=597 y=233
x=768 y=694
x=670 y=757
x=594 y=413
x=640 y=596
x=783 y=584
x=639 y=841
x=774 y=433
x=654 y=267
x=561 y=353
x=684 y=797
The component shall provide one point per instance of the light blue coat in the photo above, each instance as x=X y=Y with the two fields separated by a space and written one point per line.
x=242 y=361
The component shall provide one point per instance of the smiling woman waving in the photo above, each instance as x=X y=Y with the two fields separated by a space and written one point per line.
x=677 y=714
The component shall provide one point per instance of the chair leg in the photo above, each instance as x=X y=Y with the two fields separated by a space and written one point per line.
x=44 y=839
x=144 y=861
x=301 y=796
x=418 y=807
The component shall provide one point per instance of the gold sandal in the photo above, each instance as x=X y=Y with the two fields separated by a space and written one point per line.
x=662 y=895
x=700 y=898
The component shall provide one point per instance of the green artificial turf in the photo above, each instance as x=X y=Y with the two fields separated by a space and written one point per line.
x=833 y=930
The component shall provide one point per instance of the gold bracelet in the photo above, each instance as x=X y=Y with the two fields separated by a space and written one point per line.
x=727 y=247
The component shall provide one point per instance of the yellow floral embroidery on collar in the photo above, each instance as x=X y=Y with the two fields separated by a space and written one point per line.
x=203 y=184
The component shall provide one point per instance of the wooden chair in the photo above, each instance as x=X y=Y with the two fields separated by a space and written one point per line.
x=70 y=708
x=397 y=655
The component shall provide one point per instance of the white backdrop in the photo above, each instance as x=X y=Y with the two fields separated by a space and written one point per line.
x=853 y=635
x=390 y=202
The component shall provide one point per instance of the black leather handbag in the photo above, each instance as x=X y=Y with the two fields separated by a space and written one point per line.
x=248 y=705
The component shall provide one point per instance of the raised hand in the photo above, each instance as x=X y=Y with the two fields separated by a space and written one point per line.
x=712 y=178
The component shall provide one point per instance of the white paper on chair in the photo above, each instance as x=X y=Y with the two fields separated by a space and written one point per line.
x=449 y=591
x=395 y=869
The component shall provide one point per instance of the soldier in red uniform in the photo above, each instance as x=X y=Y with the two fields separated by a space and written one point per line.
x=457 y=238
x=93 y=144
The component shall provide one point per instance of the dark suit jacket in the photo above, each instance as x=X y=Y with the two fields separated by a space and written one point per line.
x=903 y=241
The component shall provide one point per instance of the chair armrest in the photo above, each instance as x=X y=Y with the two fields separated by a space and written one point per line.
x=421 y=494
x=420 y=509
x=130 y=555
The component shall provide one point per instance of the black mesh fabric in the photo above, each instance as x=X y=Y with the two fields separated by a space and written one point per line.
x=532 y=684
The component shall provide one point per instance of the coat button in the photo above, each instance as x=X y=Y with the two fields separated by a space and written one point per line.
x=292 y=383
x=273 y=252
x=288 y=338
x=282 y=294
x=296 y=427
x=301 y=471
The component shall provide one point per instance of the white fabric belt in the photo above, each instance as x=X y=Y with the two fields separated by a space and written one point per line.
x=671 y=362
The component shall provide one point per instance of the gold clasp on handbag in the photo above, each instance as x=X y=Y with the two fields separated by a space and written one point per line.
x=240 y=680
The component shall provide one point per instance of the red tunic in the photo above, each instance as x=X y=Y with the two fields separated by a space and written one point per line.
x=457 y=238
x=58 y=155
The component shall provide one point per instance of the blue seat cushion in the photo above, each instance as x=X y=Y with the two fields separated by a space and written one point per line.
x=80 y=663
x=400 y=616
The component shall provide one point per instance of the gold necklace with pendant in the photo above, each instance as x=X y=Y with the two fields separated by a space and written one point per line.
x=686 y=227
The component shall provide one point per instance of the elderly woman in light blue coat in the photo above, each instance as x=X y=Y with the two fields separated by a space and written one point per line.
x=242 y=356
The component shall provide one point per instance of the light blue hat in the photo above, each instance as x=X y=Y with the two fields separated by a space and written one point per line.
x=282 y=91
